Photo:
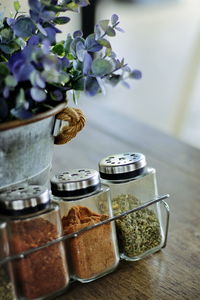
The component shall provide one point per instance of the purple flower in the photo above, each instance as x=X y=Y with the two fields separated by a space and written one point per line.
x=65 y=62
x=34 y=40
x=21 y=113
x=20 y=65
x=87 y=63
x=136 y=74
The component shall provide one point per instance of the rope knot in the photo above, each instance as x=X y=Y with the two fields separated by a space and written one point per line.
x=76 y=121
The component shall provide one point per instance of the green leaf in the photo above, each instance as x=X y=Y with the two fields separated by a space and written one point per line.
x=104 y=43
x=101 y=67
x=6 y=49
x=2 y=57
x=9 y=48
x=59 y=49
x=78 y=65
x=20 y=42
x=79 y=84
x=53 y=7
x=51 y=75
x=20 y=98
x=73 y=7
x=104 y=24
x=110 y=31
x=16 y=5
x=70 y=56
x=6 y=34
x=64 y=78
x=10 y=81
x=108 y=52
x=1 y=18
x=67 y=43
x=4 y=71
x=24 y=27
x=61 y=20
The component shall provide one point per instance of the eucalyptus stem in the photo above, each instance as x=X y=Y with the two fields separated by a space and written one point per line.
x=3 y=58
x=15 y=16
x=112 y=28
x=116 y=69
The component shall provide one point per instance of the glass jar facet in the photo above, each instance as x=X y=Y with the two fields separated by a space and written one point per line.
x=94 y=252
x=6 y=276
x=139 y=233
x=32 y=222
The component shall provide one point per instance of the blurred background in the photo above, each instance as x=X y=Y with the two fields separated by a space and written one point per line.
x=162 y=39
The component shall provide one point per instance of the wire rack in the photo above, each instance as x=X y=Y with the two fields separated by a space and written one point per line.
x=160 y=199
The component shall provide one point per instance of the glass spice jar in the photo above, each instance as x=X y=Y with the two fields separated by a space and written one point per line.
x=6 y=276
x=92 y=253
x=33 y=221
x=131 y=184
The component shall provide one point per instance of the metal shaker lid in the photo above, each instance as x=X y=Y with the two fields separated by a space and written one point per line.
x=122 y=166
x=75 y=182
x=23 y=200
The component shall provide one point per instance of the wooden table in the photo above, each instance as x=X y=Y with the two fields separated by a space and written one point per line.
x=174 y=272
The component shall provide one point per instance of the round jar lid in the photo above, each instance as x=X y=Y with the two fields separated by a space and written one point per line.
x=76 y=182
x=22 y=200
x=122 y=166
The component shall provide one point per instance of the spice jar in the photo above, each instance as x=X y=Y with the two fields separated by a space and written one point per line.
x=33 y=222
x=6 y=276
x=132 y=183
x=92 y=253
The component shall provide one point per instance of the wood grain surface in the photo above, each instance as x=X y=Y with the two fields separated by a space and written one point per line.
x=174 y=272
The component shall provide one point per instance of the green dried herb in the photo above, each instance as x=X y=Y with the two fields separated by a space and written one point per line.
x=6 y=287
x=138 y=232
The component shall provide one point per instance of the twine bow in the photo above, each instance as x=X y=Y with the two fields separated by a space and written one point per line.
x=76 y=121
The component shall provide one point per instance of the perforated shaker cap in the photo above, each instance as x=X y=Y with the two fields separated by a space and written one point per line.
x=122 y=166
x=23 y=200
x=75 y=182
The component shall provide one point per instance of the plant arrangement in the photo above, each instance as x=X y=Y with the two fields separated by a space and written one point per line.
x=37 y=71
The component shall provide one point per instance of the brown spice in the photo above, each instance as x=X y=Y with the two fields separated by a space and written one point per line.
x=42 y=272
x=92 y=252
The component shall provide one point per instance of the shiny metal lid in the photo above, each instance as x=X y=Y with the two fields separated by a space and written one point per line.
x=122 y=166
x=25 y=199
x=75 y=182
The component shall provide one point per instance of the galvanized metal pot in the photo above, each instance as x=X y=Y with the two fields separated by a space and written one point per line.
x=26 y=150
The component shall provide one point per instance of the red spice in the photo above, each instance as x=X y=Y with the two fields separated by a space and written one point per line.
x=92 y=252
x=43 y=272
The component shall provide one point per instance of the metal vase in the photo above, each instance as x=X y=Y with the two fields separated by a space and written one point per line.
x=26 y=150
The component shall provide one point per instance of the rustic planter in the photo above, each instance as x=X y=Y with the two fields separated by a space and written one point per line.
x=26 y=149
